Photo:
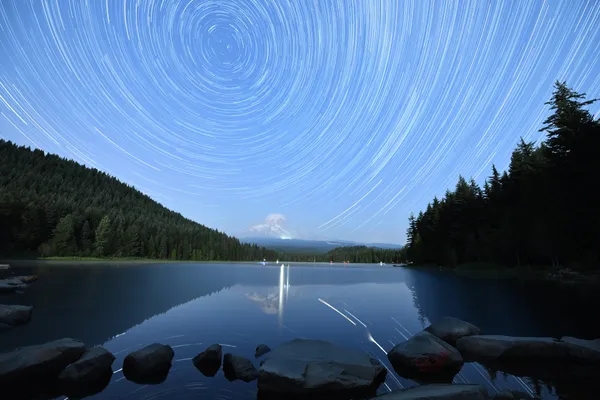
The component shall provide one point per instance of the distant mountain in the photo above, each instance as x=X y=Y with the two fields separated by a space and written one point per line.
x=303 y=246
x=272 y=227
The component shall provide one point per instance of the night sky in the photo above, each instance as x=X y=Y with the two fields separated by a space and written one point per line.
x=341 y=115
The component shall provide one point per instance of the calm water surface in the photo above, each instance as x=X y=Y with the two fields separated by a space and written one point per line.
x=190 y=306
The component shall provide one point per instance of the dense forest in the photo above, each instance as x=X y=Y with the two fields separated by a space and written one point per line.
x=352 y=254
x=50 y=206
x=543 y=211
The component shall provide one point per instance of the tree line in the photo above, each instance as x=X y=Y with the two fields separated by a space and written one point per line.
x=50 y=206
x=352 y=254
x=543 y=211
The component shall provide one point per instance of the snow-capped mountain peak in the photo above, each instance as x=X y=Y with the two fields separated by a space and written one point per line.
x=274 y=226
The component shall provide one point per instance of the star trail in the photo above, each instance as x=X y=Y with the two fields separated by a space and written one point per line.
x=344 y=116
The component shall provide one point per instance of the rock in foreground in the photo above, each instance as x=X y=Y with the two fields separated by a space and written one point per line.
x=583 y=351
x=236 y=367
x=31 y=368
x=14 y=315
x=530 y=349
x=451 y=329
x=499 y=348
x=261 y=350
x=149 y=365
x=426 y=358
x=209 y=361
x=314 y=367
x=88 y=375
x=438 y=392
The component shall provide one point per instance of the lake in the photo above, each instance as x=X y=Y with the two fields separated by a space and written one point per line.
x=190 y=306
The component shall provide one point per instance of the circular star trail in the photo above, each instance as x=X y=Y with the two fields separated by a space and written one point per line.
x=343 y=115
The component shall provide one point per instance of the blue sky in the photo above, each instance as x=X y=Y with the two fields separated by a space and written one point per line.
x=342 y=116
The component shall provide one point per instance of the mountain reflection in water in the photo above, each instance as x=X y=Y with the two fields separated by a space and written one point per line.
x=190 y=306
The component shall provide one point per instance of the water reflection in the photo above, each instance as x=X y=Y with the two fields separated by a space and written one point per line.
x=192 y=306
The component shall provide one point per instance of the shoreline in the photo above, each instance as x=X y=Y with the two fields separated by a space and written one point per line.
x=564 y=276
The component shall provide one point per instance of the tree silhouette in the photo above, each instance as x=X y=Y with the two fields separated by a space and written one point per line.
x=542 y=211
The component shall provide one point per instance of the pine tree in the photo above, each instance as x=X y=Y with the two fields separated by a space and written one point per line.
x=102 y=243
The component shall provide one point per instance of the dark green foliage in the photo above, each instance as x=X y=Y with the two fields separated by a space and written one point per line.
x=542 y=211
x=352 y=254
x=51 y=206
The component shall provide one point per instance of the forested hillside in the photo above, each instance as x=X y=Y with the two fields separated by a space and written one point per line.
x=51 y=206
x=543 y=211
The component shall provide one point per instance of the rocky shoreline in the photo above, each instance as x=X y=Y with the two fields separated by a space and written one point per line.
x=314 y=369
x=15 y=315
x=304 y=368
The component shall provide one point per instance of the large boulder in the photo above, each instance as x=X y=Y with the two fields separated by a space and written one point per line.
x=14 y=315
x=451 y=329
x=149 y=365
x=236 y=367
x=209 y=361
x=529 y=349
x=426 y=358
x=33 y=368
x=438 y=392
x=314 y=367
x=88 y=375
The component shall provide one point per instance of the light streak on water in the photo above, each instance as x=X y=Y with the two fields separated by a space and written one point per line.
x=337 y=311
x=353 y=316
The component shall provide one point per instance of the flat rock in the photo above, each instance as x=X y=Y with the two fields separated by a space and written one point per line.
x=209 y=361
x=514 y=348
x=451 y=329
x=236 y=367
x=37 y=364
x=149 y=365
x=315 y=367
x=426 y=358
x=14 y=315
x=88 y=375
x=583 y=350
x=261 y=350
x=438 y=392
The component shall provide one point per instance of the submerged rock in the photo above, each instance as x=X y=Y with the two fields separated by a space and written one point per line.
x=10 y=287
x=451 y=329
x=28 y=278
x=15 y=283
x=261 y=350
x=236 y=367
x=14 y=315
x=426 y=358
x=314 y=367
x=149 y=365
x=33 y=369
x=438 y=392
x=88 y=375
x=209 y=361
